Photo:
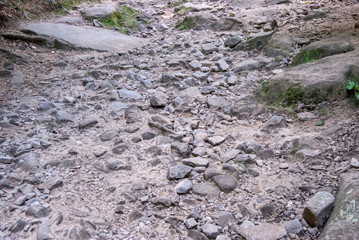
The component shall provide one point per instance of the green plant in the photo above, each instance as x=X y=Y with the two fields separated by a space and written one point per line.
x=353 y=85
x=124 y=19
x=320 y=123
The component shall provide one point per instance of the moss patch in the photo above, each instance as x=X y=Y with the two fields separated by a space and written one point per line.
x=186 y=23
x=308 y=56
x=288 y=96
x=124 y=19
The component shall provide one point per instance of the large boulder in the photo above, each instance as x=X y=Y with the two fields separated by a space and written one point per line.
x=321 y=49
x=99 y=10
x=323 y=80
x=279 y=46
x=344 y=220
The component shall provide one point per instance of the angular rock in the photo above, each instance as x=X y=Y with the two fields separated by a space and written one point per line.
x=159 y=99
x=62 y=116
x=196 y=235
x=279 y=46
x=232 y=41
x=203 y=22
x=51 y=183
x=18 y=226
x=276 y=122
x=125 y=93
x=44 y=232
x=205 y=189
x=191 y=223
x=99 y=10
x=6 y=159
x=183 y=187
x=88 y=122
x=223 y=218
x=183 y=149
x=222 y=65
x=255 y=41
x=196 y=162
x=318 y=209
x=178 y=172
x=226 y=183
x=211 y=230
x=216 y=140
x=293 y=226
x=251 y=64
x=209 y=48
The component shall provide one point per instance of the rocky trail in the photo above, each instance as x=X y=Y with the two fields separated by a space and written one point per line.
x=210 y=120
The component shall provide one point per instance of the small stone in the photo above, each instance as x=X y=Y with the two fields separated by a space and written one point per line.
x=196 y=235
x=51 y=183
x=318 y=209
x=205 y=189
x=222 y=65
x=268 y=231
x=183 y=187
x=148 y=135
x=283 y=165
x=196 y=162
x=216 y=140
x=18 y=226
x=20 y=200
x=183 y=149
x=87 y=122
x=6 y=159
x=226 y=183
x=224 y=218
x=267 y=210
x=229 y=155
x=232 y=41
x=44 y=232
x=178 y=172
x=124 y=93
x=276 y=121
x=293 y=226
x=307 y=153
x=354 y=163
x=211 y=230
x=306 y=116
x=158 y=100
x=191 y=223
x=134 y=215
x=208 y=48
x=62 y=116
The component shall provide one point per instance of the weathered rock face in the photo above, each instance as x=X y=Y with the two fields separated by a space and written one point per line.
x=99 y=10
x=321 y=49
x=323 y=80
x=279 y=46
x=343 y=222
x=203 y=22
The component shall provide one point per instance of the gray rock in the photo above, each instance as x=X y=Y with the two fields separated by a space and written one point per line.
x=307 y=153
x=354 y=163
x=196 y=162
x=51 y=183
x=274 y=2
x=318 y=209
x=17 y=78
x=20 y=200
x=203 y=22
x=222 y=65
x=251 y=64
x=62 y=116
x=343 y=222
x=216 y=140
x=321 y=49
x=44 y=232
x=159 y=99
x=255 y=41
x=268 y=231
x=117 y=106
x=276 y=122
x=209 y=48
x=205 y=189
x=191 y=223
x=99 y=10
x=279 y=46
x=134 y=215
x=211 y=230
x=125 y=93
x=208 y=89
x=37 y=210
x=196 y=235
x=226 y=183
x=169 y=78
x=232 y=41
x=6 y=159
x=314 y=15
x=18 y=226
x=306 y=116
x=88 y=122
x=178 y=172
x=293 y=226
x=183 y=149
x=183 y=187
x=86 y=37
x=223 y=218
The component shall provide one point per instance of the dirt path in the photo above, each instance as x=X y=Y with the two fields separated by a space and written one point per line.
x=168 y=141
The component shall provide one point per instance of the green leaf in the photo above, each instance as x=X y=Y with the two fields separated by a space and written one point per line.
x=357 y=96
x=350 y=85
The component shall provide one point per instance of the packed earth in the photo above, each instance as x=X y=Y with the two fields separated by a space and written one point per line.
x=197 y=120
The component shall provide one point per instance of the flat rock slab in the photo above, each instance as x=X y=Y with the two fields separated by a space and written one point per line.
x=262 y=231
x=87 y=37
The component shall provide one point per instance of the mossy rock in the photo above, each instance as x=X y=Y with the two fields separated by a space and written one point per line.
x=323 y=80
x=279 y=46
x=321 y=49
x=203 y=22
x=255 y=41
